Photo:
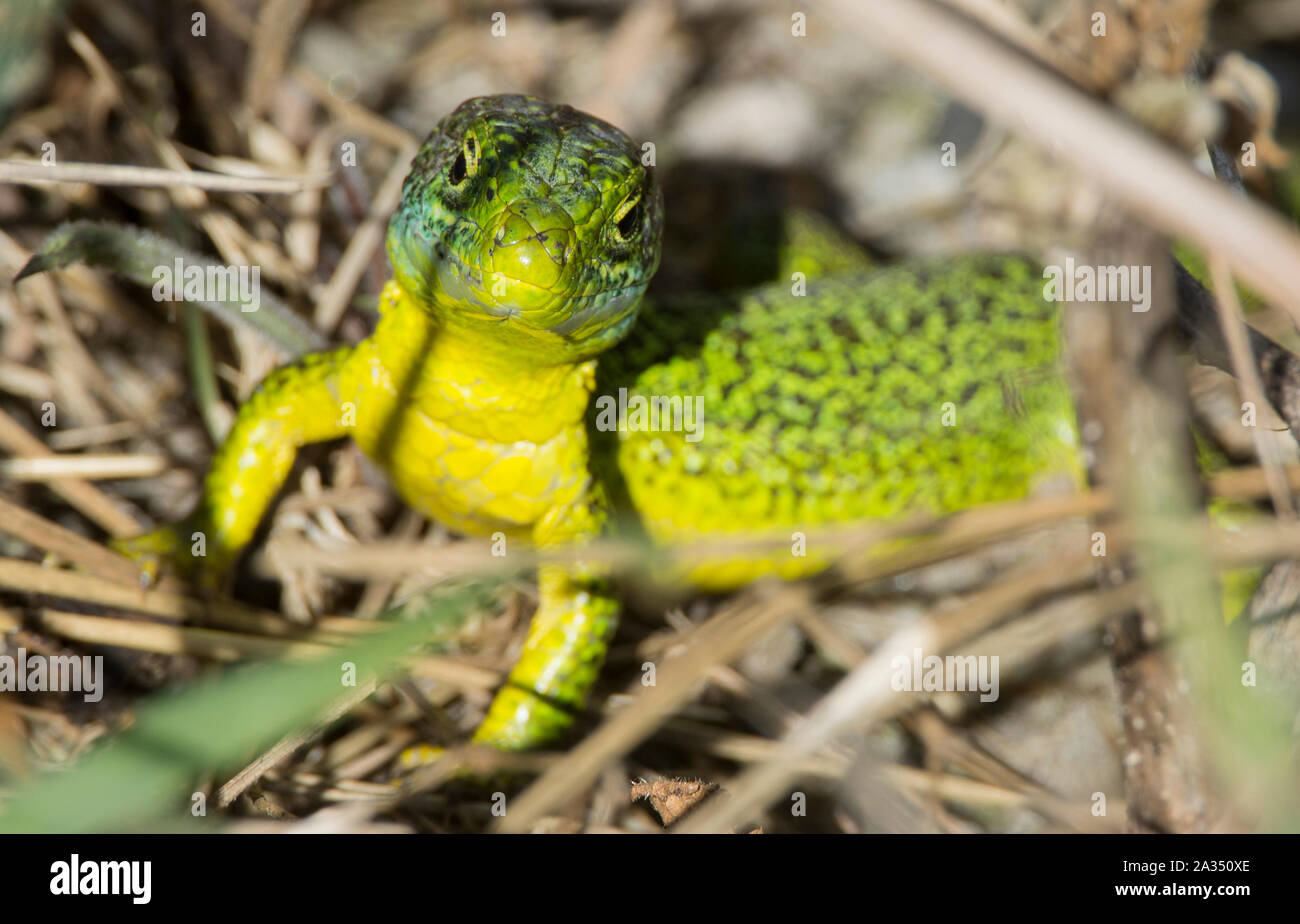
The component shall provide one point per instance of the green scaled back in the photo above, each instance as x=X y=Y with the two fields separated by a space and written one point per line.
x=927 y=387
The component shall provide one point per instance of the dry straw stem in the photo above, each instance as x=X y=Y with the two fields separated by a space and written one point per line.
x=723 y=638
x=91 y=435
x=55 y=467
x=949 y=746
x=1019 y=644
x=1008 y=22
x=380 y=726
x=237 y=784
x=277 y=27
x=1151 y=181
x=67 y=545
x=1249 y=482
x=30 y=577
x=1248 y=381
x=443 y=669
x=944 y=536
x=359 y=117
x=97 y=506
x=162 y=638
x=476 y=760
x=226 y=234
x=76 y=372
x=361 y=246
x=866 y=695
x=936 y=539
x=381 y=754
x=1013 y=792
x=35 y=173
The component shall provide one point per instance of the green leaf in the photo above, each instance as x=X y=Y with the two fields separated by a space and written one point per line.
x=137 y=254
x=145 y=776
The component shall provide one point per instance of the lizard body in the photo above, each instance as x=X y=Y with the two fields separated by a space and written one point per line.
x=525 y=240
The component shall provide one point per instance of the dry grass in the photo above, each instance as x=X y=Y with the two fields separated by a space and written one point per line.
x=230 y=143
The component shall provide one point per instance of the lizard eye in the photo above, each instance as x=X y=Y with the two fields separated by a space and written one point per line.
x=627 y=218
x=466 y=163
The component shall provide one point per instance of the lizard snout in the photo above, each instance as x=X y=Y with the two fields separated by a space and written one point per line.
x=531 y=241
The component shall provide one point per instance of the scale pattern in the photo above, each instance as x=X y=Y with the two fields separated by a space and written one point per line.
x=927 y=387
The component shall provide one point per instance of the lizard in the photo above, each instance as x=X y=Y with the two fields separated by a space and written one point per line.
x=525 y=239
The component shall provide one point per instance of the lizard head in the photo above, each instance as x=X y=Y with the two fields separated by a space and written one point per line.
x=533 y=224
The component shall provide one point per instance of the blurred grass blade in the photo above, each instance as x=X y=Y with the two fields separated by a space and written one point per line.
x=147 y=773
x=24 y=53
x=136 y=254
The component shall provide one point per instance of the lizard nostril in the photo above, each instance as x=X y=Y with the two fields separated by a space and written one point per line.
x=559 y=250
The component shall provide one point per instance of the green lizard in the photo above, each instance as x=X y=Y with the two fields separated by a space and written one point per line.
x=525 y=239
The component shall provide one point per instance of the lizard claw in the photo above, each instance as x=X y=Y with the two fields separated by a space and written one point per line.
x=155 y=553
x=419 y=755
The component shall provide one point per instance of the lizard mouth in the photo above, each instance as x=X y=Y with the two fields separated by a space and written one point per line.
x=506 y=298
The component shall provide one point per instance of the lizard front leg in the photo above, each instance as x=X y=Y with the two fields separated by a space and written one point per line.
x=295 y=405
x=566 y=643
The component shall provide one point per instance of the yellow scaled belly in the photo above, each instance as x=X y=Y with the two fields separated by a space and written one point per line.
x=462 y=439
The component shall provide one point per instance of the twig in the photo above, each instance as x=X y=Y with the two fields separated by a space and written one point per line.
x=367 y=236
x=866 y=695
x=944 y=536
x=63 y=440
x=40 y=533
x=377 y=127
x=55 y=467
x=729 y=633
x=1009 y=23
x=1146 y=177
x=237 y=784
x=1248 y=380
x=277 y=25
x=168 y=639
x=34 y=173
x=34 y=578
x=88 y=499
